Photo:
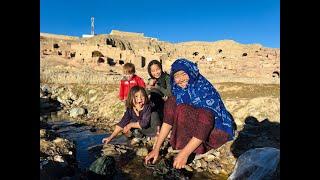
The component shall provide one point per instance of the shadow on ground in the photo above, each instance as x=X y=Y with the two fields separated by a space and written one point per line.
x=256 y=134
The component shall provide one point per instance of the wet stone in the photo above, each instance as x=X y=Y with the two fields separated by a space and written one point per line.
x=42 y=133
x=209 y=158
x=142 y=152
x=204 y=164
x=188 y=168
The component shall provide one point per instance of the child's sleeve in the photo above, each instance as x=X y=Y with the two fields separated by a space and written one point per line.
x=166 y=91
x=121 y=95
x=125 y=119
x=145 y=119
x=141 y=83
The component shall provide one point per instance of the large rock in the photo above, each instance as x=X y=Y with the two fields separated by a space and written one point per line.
x=75 y=112
x=259 y=163
x=104 y=166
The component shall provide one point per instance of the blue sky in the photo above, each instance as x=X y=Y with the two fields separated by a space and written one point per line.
x=245 y=21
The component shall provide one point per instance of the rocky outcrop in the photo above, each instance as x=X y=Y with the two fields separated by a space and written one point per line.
x=57 y=155
x=225 y=58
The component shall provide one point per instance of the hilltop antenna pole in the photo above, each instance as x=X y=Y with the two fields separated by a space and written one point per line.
x=92 y=25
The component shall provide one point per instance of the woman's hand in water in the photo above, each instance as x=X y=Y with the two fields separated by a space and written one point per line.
x=180 y=161
x=154 y=154
x=106 y=140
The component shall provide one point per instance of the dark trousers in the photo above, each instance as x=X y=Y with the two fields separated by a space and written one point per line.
x=150 y=130
x=158 y=104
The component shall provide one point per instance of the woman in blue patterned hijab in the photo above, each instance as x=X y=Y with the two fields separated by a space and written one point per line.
x=195 y=114
x=200 y=93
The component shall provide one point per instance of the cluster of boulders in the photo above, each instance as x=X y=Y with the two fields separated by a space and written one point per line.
x=57 y=155
x=64 y=101
x=94 y=105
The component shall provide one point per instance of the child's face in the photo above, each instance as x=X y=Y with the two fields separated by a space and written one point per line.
x=139 y=99
x=181 y=78
x=155 y=71
x=127 y=75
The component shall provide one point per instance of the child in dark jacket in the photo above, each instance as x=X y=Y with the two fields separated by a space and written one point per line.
x=129 y=80
x=159 y=80
x=139 y=115
x=158 y=87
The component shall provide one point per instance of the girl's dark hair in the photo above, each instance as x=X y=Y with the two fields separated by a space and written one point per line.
x=152 y=63
x=132 y=92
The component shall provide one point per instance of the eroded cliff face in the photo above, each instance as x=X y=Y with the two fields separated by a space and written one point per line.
x=221 y=59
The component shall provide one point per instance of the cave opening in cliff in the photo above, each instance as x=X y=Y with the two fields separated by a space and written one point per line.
x=219 y=50
x=276 y=74
x=121 y=62
x=244 y=54
x=97 y=54
x=56 y=46
x=101 y=60
x=72 y=55
x=59 y=53
x=143 y=61
x=111 y=62
x=111 y=42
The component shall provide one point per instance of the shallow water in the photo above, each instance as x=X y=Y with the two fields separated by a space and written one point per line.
x=129 y=165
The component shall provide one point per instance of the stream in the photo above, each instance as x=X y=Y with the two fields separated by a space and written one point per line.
x=88 y=148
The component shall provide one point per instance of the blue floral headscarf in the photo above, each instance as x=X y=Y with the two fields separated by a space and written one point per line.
x=200 y=93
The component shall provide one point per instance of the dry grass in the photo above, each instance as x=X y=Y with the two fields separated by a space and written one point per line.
x=69 y=75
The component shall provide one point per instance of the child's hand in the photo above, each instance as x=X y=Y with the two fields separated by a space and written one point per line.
x=152 y=82
x=106 y=140
x=165 y=98
x=150 y=87
x=127 y=128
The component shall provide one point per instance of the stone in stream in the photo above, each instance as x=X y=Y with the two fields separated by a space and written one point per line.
x=204 y=164
x=142 y=152
x=104 y=166
x=58 y=158
x=75 y=112
x=209 y=158
x=46 y=88
x=188 y=168
x=42 y=133
x=164 y=169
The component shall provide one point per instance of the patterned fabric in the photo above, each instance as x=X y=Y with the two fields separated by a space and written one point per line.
x=188 y=122
x=200 y=93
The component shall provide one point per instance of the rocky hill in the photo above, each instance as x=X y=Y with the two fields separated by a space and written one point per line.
x=221 y=59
